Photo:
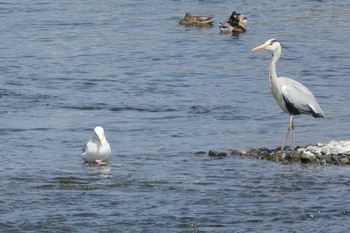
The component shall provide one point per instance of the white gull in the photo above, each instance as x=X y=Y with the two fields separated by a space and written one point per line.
x=97 y=149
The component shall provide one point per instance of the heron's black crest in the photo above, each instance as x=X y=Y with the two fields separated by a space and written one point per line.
x=286 y=47
x=283 y=46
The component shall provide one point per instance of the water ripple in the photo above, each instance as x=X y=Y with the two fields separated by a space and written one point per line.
x=162 y=93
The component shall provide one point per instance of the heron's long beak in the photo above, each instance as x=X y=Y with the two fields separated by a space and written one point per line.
x=260 y=47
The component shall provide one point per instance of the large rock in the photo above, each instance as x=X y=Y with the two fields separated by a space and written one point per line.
x=307 y=157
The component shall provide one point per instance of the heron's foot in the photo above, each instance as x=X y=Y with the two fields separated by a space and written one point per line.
x=287 y=152
x=283 y=154
x=282 y=151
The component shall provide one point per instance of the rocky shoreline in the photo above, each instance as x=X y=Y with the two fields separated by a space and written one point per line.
x=332 y=153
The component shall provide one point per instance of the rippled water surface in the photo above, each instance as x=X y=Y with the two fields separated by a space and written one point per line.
x=163 y=92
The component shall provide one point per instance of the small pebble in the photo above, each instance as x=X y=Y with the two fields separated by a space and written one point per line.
x=243 y=152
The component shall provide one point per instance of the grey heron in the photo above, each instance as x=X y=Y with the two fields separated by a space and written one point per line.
x=292 y=96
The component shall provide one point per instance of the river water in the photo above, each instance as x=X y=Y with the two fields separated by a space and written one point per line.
x=162 y=92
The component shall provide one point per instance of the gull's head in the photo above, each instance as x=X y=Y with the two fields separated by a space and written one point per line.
x=99 y=134
x=272 y=45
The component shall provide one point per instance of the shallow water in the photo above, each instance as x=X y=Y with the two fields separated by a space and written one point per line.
x=163 y=92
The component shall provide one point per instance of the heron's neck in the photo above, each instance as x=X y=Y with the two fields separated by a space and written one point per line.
x=272 y=70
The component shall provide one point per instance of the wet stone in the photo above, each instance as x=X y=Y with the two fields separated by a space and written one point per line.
x=336 y=159
x=217 y=153
x=323 y=162
x=233 y=151
x=242 y=152
x=344 y=161
x=200 y=153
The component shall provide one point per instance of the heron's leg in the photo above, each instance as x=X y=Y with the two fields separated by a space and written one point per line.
x=288 y=130
x=292 y=125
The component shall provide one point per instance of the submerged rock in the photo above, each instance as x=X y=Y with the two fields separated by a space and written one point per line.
x=199 y=153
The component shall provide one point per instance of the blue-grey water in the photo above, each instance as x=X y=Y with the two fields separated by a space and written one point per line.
x=163 y=92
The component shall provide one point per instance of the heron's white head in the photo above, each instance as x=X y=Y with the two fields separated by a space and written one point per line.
x=99 y=135
x=272 y=45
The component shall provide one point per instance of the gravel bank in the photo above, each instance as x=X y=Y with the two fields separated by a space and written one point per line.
x=332 y=153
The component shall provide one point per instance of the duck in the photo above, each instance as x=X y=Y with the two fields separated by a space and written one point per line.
x=97 y=149
x=228 y=28
x=199 y=21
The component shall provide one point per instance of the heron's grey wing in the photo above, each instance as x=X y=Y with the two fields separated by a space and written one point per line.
x=299 y=99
